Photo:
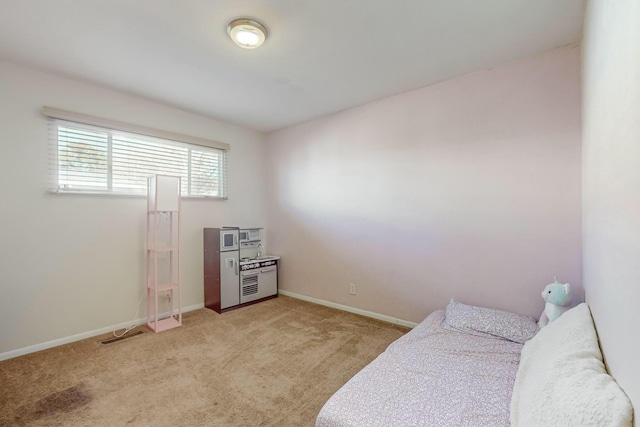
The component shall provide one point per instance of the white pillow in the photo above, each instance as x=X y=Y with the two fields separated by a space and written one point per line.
x=489 y=322
x=561 y=380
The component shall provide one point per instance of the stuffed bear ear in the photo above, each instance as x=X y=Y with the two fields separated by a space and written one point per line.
x=566 y=288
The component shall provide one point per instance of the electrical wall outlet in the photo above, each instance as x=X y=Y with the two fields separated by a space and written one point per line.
x=352 y=288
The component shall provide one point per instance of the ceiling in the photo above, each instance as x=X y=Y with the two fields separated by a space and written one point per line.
x=321 y=56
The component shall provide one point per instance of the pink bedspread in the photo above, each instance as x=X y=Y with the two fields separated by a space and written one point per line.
x=432 y=376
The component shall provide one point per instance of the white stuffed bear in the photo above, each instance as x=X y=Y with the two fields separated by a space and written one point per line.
x=557 y=300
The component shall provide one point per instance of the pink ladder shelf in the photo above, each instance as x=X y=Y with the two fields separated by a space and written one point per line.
x=163 y=251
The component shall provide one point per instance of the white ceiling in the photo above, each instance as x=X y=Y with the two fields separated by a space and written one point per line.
x=321 y=56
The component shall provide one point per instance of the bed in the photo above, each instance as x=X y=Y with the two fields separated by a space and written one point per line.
x=466 y=367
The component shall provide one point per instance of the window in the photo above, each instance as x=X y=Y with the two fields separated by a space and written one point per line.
x=88 y=158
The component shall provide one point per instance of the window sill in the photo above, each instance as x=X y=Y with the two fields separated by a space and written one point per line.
x=125 y=195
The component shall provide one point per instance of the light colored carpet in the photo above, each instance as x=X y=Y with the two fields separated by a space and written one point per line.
x=271 y=364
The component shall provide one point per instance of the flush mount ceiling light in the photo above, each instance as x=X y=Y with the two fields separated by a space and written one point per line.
x=247 y=33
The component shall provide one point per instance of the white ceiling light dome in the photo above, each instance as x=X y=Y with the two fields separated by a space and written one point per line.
x=247 y=33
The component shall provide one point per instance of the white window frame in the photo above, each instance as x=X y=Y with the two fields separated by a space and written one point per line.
x=145 y=148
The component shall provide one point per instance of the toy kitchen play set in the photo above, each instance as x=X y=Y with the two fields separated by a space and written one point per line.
x=236 y=270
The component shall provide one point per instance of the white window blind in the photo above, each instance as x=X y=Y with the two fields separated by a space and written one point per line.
x=87 y=158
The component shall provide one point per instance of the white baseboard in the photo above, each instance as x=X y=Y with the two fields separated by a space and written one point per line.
x=141 y=321
x=350 y=309
x=66 y=340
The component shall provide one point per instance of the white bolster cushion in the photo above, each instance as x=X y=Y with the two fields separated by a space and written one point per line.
x=562 y=381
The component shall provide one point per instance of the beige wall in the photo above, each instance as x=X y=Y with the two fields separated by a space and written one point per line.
x=72 y=264
x=611 y=176
x=468 y=188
